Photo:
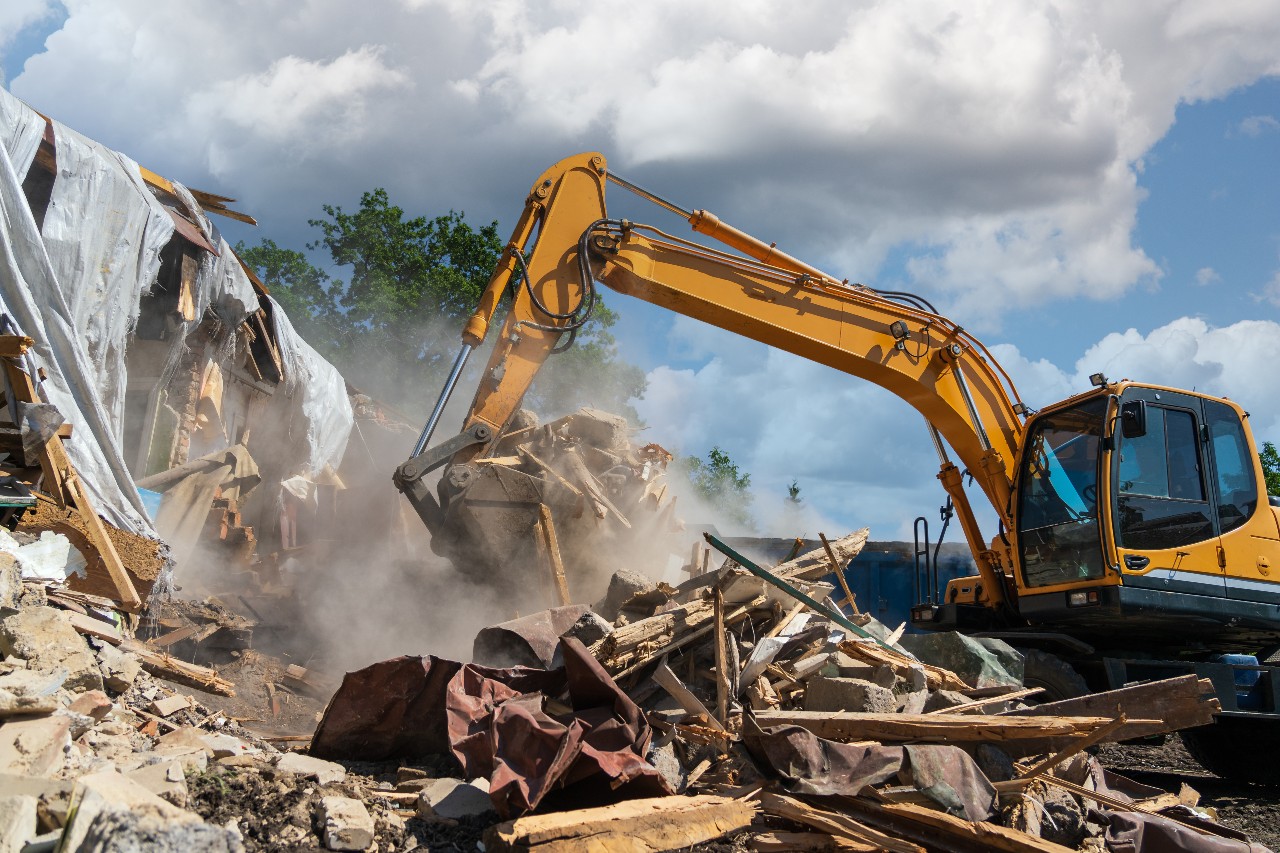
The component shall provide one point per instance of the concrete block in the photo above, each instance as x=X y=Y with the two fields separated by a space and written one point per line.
x=45 y=638
x=121 y=831
x=35 y=747
x=940 y=699
x=17 y=822
x=166 y=780
x=347 y=824
x=590 y=628
x=453 y=798
x=848 y=694
x=93 y=704
x=324 y=772
x=101 y=794
x=10 y=583
x=119 y=669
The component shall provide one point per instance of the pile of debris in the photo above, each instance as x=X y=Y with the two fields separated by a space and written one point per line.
x=744 y=703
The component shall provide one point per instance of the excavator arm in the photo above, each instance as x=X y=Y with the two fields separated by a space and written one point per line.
x=893 y=340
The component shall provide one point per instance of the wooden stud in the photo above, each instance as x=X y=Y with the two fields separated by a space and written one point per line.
x=547 y=529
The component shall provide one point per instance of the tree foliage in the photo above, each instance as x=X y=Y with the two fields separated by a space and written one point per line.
x=392 y=326
x=721 y=484
x=1271 y=467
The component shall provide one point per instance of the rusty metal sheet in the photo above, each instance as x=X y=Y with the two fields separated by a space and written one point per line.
x=527 y=641
x=189 y=231
x=496 y=723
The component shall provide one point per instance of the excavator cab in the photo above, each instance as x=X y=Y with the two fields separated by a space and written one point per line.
x=1141 y=512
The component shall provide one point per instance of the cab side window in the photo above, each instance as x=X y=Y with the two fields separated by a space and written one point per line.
x=1161 y=490
x=1235 y=482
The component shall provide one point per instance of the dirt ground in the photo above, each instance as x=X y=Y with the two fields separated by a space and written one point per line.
x=1252 y=809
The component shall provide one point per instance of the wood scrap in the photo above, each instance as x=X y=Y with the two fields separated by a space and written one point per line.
x=979 y=704
x=940 y=728
x=95 y=628
x=722 y=660
x=163 y=666
x=682 y=694
x=936 y=677
x=1173 y=703
x=834 y=823
x=659 y=823
x=937 y=829
x=838 y=571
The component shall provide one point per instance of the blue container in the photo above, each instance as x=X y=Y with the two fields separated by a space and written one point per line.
x=1248 y=697
x=151 y=502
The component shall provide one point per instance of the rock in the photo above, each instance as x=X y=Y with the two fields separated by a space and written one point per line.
x=917 y=680
x=119 y=669
x=940 y=699
x=93 y=704
x=913 y=703
x=324 y=772
x=624 y=586
x=122 y=831
x=663 y=757
x=52 y=796
x=194 y=759
x=885 y=676
x=966 y=657
x=10 y=584
x=14 y=706
x=35 y=747
x=224 y=746
x=1075 y=769
x=166 y=780
x=453 y=798
x=604 y=430
x=44 y=637
x=347 y=824
x=590 y=628
x=166 y=705
x=994 y=762
x=17 y=822
x=1064 y=819
x=103 y=794
x=848 y=694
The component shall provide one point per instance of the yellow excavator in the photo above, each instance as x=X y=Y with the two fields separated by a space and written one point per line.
x=1136 y=538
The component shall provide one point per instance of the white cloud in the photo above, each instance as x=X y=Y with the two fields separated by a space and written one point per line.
x=862 y=456
x=1258 y=125
x=994 y=144
x=16 y=16
x=1271 y=291
x=1206 y=276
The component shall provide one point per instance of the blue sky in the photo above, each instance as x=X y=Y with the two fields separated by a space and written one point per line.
x=1086 y=185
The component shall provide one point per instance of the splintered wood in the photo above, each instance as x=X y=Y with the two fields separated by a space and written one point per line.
x=634 y=826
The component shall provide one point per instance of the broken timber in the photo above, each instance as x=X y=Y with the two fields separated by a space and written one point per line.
x=163 y=666
x=1174 y=703
x=944 y=728
x=633 y=826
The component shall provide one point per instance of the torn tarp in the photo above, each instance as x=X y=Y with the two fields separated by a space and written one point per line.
x=813 y=765
x=498 y=725
x=528 y=641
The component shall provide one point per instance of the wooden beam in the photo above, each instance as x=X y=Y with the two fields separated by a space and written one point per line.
x=692 y=705
x=1168 y=705
x=60 y=474
x=839 y=573
x=547 y=529
x=834 y=823
x=939 y=728
x=658 y=823
x=943 y=831
x=722 y=659
x=13 y=346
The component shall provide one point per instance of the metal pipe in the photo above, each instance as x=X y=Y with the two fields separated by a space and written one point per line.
x=937 y=443
x=973 y=410
x=645 y=194
x=445 y=393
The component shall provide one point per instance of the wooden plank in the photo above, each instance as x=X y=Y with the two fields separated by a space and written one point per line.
x=990 y=700
x=169 y=705
x=1094 y=738
x=658 y=823
x=54 y=459
x=692 y=705
x=722 y=660
x=1171 y=704
x=834 y=823
x=936 y=677
x=163 y=666
x=940 y=830
x=13 y=346
x=652 y=654
x=939 y=728
x=839 y=573
x=91 y=627
x=547 y=528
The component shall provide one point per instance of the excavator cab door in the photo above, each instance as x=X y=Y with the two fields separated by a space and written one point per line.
x=1165 y=518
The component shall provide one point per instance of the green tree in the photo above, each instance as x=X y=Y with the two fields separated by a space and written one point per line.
x=721 y=484
x=1271 y=467
x=393 y=326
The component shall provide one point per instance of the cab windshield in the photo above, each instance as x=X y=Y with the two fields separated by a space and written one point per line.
x=1058 y=497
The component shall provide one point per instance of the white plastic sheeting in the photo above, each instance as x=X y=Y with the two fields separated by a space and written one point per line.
x=104 y=231
x=309 y=418
x=30 y=294
x=21 y=129
x=221 y=283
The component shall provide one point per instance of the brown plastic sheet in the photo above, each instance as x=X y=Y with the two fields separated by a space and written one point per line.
x=496 y=724
x=813 y=765
x=1137 y=832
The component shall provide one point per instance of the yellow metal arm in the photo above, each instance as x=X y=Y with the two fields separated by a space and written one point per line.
x=922 y=357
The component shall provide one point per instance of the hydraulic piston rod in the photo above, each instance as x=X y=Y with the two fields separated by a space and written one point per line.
x=445 y=393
